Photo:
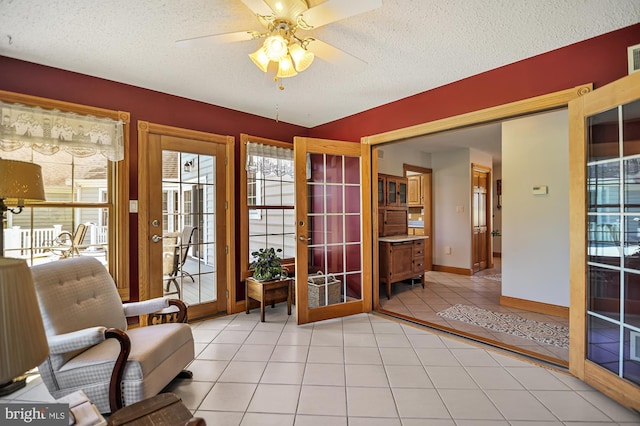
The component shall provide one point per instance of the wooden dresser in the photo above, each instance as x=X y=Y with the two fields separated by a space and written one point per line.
x=402 y=257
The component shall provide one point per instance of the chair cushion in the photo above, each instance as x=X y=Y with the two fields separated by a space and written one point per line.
x=150 y=347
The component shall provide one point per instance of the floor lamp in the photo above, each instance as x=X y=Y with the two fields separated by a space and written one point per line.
x=19 y=182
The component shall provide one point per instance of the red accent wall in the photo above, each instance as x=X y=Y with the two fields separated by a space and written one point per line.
x=598 y=60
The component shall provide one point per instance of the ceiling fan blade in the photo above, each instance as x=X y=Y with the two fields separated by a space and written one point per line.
x=259 y=7
x=335 y=56
x=334 y=10
x=208 y=40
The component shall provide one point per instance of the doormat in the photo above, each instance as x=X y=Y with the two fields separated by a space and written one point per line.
x=537 y=331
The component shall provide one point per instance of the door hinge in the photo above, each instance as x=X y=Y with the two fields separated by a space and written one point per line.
x=227 y=293
x=226 y=250
x=226 y=161
x=226 y=205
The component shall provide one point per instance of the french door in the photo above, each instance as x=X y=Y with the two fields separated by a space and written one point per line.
x=605 y=239
x=333 y=229
x=185 y=243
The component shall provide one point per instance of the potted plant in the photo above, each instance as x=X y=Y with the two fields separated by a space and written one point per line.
x=267 y=265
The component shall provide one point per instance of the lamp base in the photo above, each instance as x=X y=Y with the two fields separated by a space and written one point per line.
x=13 y=385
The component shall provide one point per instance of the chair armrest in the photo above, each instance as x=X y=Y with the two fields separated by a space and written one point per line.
x=144 y=307
x=156 y=305
x=63 y=343
x=115 y=385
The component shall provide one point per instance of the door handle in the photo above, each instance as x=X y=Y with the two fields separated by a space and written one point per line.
x=303 y=238
x=156 y=238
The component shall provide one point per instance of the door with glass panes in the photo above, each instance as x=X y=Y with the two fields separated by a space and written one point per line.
x=333 y=229
x=187 y=219
x=605 y=239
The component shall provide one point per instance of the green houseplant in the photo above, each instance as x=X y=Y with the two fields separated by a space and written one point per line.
x=267 y=265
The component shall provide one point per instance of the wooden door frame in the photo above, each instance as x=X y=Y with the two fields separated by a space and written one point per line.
x=144 y=230
x=547 y=102
x=427 y=205
x=488 y=206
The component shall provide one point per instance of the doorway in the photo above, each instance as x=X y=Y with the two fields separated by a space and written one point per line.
x=480 y=213
x=553 y=101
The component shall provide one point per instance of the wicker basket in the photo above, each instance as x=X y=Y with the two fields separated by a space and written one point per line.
x=318 y=284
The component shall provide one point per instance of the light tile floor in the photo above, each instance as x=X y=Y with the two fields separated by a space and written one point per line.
x=443 y=290
x=369 y=370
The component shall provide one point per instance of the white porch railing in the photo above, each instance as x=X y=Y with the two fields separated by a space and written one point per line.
x=21 y=242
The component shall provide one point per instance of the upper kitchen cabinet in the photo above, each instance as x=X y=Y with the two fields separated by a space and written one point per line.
x=414 y=195
x=395 y=190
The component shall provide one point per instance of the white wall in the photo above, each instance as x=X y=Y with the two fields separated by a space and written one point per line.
x=394 y=156
x=535 y=228
x=452 y=204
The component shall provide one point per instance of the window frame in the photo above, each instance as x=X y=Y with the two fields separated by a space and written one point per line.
x=244 y=207
x=118 y=177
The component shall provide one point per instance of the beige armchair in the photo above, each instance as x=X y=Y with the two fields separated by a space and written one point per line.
x=90 y=347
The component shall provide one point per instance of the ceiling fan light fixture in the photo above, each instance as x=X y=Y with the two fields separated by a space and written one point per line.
x=302 y=58
x=286 y=68
x=275 y=47
x=260 y=58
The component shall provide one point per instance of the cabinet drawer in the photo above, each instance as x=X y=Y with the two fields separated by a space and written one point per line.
x=418 y=266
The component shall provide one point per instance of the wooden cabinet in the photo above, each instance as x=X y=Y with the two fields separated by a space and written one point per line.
x=401 y=259
x=392 y=205
x=395 y=190
x=392 y=222
x=414 y=188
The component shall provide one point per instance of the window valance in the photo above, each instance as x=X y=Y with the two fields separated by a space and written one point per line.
x=49 y=131
x=269 y=159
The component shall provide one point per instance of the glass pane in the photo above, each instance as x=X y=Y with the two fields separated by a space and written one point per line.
x=391 y=192
x=334 y=199
x=335 y=259
x=632 y=185
x=352 y=170
x=316 y=162
x=631 y=360
x=603 y=239
x=335 y=233
x=316 y=230
x=604 y=343
x=632 y=300
x=316 y=198
x=354 y=286
x=334 y=169
x=631 y=128
x=352 y=228
x=631 y=242
x=352 y=199
x=604 y=291
x=354 y=258
x=603 y=186
x=189 y=226
x=603 y=136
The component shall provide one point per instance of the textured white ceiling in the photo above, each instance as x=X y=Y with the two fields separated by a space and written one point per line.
x=410 y=46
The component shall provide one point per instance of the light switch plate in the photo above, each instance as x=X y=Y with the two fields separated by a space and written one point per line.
x=133 y=206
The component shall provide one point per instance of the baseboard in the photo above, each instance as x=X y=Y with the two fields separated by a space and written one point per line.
x=533 y=306
x=452 y=270
x=497 y=254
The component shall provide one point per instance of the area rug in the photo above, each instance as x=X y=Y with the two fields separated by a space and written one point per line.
x=537 y=331
x=493 y=277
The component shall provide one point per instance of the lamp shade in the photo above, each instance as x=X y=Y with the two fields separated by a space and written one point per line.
x=20 y=180
x=23 y=344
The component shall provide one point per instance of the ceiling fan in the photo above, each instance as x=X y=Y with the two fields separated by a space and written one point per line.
x=284 y=46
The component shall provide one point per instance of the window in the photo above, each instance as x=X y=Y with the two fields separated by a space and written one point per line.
x=81 y=152
x=267 y=199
